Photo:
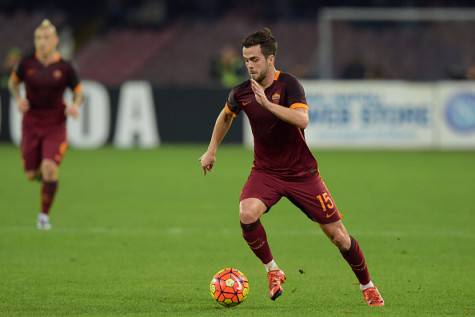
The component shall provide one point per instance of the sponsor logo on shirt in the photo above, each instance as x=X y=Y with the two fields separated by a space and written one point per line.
x=275 y=98
x=246 y=102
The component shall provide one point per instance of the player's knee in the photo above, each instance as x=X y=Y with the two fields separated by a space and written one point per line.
x=49 y=170
x=248 y=215
x=342 y=240
x=250 y=211
x=338 y=235
x=30 y=175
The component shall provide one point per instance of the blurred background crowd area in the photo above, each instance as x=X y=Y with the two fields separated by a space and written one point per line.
x=197 y=42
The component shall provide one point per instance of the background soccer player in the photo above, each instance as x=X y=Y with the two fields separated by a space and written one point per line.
x=46 y=76
x=283 y=164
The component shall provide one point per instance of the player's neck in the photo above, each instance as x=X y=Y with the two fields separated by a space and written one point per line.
x=49 y=58
x=269 y=79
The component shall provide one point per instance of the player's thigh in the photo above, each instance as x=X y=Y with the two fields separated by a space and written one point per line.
x=264 y=187
x=312 y=196
x=55 y=145
x=31 y=146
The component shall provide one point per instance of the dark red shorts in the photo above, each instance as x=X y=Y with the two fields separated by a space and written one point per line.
x=39 y=143
x=309 y=194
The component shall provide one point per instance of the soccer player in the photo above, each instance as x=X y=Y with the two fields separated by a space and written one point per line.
x=46 y=76
x=275 y=104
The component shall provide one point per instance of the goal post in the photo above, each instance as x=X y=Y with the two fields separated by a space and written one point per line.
x=324 y=62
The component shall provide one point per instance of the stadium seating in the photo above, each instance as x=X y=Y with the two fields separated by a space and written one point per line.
x=180 y=52
x=16 y=30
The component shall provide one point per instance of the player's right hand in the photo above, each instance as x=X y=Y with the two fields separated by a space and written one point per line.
x=23 y=105
x=207 y=161
x=72 y=111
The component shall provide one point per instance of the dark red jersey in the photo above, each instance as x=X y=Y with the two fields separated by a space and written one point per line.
x=279 y=147
x=45 y=86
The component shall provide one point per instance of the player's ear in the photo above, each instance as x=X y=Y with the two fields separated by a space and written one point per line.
x=271 y=59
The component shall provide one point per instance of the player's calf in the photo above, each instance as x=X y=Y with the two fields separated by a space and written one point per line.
x=49 y=171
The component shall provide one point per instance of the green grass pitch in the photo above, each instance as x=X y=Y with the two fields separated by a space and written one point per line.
x=140 y=233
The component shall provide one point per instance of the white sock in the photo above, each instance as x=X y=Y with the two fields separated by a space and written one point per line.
x=271 y=266
x=363 y=287
x=43 y=217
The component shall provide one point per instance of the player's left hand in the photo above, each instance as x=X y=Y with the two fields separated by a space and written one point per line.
x=72 y=111
x=259 y=93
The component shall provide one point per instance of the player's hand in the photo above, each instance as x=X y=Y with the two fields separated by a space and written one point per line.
x=23 y=105
x=72 y=111
x=207 y=162
x=259 y=92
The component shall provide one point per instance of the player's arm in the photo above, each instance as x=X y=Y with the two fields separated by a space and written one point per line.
x=221 y=128
x=297 y=116
x=78 y=96
x=14 y=86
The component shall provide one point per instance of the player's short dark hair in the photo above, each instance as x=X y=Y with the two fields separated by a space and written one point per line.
x=264 y=38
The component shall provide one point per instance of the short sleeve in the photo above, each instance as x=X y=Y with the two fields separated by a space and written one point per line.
x=232 y=104
x=73 y=79
x=295 y=94
x=19 y=71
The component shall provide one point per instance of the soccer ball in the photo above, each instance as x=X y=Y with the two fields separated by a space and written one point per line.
x=229 y=287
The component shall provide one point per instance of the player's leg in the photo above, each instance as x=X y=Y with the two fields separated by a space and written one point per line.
x=33 y=175
x=31 y=153
x=349 y=249
x=54 y=148
x=31 y=144
x=31 y=150
x=49 y=170
x=352 y=253
x=49 y=186
x=256 y=197
x=314 y=199
x=250 y=211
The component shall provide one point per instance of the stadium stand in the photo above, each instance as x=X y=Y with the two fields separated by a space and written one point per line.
x=178 y=51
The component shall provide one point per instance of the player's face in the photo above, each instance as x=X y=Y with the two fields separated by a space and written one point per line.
x=256 y=63
x=46 y=41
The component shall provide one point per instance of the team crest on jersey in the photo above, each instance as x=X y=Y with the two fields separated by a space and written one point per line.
x=30 y=72
x=57 y=74
x=276 y=97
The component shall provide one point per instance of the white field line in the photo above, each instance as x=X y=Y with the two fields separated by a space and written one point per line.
x=187 y=231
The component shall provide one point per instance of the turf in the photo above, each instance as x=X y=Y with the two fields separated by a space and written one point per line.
x=140 y=233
